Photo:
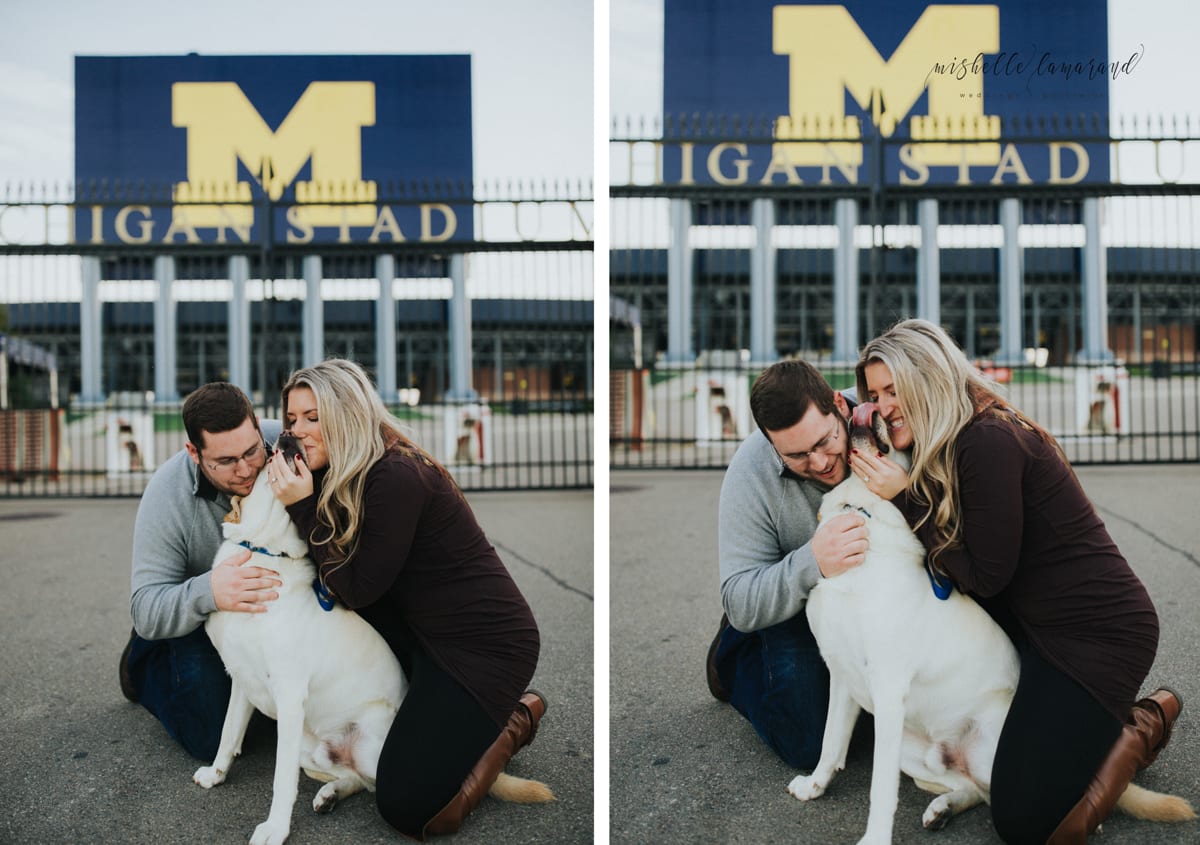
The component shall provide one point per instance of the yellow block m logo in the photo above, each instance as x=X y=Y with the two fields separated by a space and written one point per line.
x=324 y=127
x=829 y=55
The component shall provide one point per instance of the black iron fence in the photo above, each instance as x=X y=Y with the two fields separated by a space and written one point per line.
x=471 y=307
x=1081 y=295
x=1106 y=414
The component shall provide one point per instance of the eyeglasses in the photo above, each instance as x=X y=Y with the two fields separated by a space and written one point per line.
x=826 y=445
x=250 y=456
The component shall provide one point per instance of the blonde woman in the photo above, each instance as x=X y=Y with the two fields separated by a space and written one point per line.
x=395 y=540
x=1000 y=511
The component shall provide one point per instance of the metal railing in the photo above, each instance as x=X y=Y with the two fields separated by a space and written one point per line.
x=490 y=314
x=696 y=417
x=695 y=200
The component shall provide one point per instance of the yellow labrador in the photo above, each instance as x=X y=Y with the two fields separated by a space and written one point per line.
x=938 y=674
x=327 y=677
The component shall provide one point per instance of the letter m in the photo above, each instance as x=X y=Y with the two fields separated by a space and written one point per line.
x=324 y=127
x=830 y=55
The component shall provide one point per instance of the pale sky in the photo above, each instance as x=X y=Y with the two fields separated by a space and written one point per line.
x=531 y=66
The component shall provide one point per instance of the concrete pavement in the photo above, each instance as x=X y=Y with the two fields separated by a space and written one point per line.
x=686 y=768
x=82 y=766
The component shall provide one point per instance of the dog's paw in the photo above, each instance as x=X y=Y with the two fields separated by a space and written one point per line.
x=270 y=834
x=806 y=787
x=326 y=799
x=937 y=814
x=209 y=776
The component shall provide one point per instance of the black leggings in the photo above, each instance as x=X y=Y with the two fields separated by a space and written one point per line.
x=437 y=737
x=1053 y=742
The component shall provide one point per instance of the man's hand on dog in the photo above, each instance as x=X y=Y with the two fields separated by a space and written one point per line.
x=245 y=589
x=289 y=483
x=840 y=543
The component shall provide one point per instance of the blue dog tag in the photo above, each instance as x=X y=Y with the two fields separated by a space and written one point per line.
x=941 y=589
x=324 y=597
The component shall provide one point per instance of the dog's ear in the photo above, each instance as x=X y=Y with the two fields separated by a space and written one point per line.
x=235 y=510
x=289 y=444
x=880 y=431
x=868 y=430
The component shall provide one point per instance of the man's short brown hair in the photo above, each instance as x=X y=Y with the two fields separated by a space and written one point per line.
x=216 y=407
x=783 y=393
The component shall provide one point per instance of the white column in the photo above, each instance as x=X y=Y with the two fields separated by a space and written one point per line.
x=929 y=271
x=90 y=317
x=590 y=353
x=763 y=263
x=1095 y=289
x=497 y=367
x=165 y=383
x=680 y=267
x=1012 y=271
x=460 y=333
x=385 y=330
x=239 y=323
x=845 y=283
x=313 y=351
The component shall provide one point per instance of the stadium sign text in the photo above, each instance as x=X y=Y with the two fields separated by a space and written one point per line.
x=136 y=224
x=733 y=163
x=906 y=92
x=291 y=149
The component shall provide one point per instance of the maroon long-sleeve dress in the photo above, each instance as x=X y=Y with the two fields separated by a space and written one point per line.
x=423 y=560
x=1034 y=545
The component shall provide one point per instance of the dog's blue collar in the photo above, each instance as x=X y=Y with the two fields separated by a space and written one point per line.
x=941 y=588
x=324 y=597
x=260 y=550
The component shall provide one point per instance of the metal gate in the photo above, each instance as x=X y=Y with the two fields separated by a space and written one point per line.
x=107 y=319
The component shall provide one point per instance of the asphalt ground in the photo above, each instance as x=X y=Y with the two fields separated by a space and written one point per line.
x=685 y=768
x=83 y=766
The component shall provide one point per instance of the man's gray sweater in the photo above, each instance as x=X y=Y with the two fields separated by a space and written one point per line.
x=175 y=537
x=767 y=519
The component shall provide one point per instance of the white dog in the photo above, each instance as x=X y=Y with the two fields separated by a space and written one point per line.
x=938 y=675
x=327 y=677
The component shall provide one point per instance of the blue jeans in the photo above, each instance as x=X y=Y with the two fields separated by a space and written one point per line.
x=778 y=681
x=183 y=682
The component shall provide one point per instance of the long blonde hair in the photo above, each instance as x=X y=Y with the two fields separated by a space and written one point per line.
x=940 y=392
x=357 y=430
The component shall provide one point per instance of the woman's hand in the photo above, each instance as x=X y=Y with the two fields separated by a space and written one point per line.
x=289 y=484
x=884 y=478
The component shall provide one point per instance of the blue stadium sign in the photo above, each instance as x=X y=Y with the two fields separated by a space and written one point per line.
x=333 y=144
x=919 y=93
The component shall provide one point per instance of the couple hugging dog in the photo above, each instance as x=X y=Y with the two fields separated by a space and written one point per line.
x=370 y=699
x=963 y=699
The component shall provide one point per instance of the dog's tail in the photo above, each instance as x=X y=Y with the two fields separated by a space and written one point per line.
x=1154 y=806
x=520 y=790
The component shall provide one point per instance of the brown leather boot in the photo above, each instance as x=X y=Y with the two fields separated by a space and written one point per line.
x=1144 y=735
x=519 y=732
x=128 y=689
x=710 y=664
